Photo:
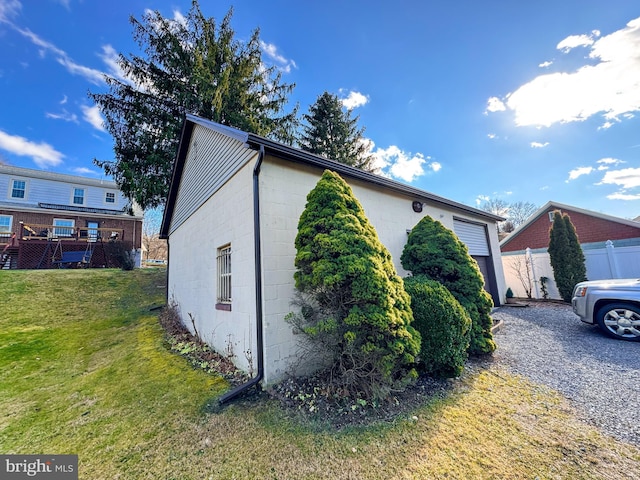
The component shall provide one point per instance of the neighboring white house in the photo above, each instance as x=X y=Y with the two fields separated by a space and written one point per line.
x=231 y=220
x=39 y=207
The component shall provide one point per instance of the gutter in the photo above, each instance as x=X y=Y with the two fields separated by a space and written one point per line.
x=240 y=389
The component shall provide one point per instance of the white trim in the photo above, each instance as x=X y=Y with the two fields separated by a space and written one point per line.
x=26 y=189
x=73 y=195
x=71 y=227
x=10 y=217
x=223 y=259
x=115 y=198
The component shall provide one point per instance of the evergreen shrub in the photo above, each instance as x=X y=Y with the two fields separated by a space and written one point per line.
x=353 y=306
x=444 y=326
x=436 y=252
x=565 y=255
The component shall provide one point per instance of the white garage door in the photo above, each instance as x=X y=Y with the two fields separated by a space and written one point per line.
x=474 y=236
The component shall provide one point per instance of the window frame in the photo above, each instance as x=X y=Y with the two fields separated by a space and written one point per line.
x=13 y=189
x=58 y=228
x=8 y=232
x=106 y=196
x=223 y=278
x=74 y=196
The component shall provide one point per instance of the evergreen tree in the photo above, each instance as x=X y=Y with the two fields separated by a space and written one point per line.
x=434 y=251
x=444 y=326
x=355 y=308
x=330 y=131
x=566 y=256
x=197 y=67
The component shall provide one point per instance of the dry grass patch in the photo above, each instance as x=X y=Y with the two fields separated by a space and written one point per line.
x=84 y=370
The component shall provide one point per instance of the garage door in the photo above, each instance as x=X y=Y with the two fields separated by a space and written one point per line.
x=474 y=237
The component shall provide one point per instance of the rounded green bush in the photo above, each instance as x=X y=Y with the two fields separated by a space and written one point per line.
x=444 y=326
x=436 y=252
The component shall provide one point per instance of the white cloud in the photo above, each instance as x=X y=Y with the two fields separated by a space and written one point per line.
x=396 y=163
x=9 y=9
x=626 y=178
x=623 y=196
x=91 y=74
x=64 y=115
x=545 y=64
x=111 y=58
x=271 y=51
x=539 y=145
x=85 y=171
x=43 y=154
x=606 y=84
x=605 y=163
x=494 y=104
x=92 y=115
x=492 y=135
x=64 y=100
x=578 y=172
x=574 y=41
x=94 y=76
x=354 y=100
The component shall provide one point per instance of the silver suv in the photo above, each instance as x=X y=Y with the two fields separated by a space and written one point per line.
x=613 y=304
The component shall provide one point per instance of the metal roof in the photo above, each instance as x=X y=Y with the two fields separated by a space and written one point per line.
x=297 y=155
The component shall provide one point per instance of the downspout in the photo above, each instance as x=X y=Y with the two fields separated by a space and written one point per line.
x=240 y=389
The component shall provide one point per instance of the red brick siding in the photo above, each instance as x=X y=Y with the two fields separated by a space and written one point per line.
x=588 y=228
x=132 y=227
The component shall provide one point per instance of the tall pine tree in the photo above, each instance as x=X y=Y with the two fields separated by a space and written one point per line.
x=330 y=130
x=195 y=66
x=566 y=256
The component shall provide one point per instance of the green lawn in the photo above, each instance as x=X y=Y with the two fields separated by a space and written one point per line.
x=83 y=370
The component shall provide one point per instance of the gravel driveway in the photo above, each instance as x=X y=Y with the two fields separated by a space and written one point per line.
x=600 y=376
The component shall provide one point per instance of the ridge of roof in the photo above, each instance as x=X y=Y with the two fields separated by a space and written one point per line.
x=287 y=152
x=59 y=177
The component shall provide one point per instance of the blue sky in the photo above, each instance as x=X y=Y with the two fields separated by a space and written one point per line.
x=521 y=101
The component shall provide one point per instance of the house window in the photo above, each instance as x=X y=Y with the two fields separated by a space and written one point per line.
x=92 y=231
x=63 y=227
x=224 y=278
x=19 y=189
x=78 y=196
x=5 y=225
x=110 y=197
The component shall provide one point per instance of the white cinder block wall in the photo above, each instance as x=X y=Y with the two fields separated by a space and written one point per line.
x=225 y=218
x=284 y=187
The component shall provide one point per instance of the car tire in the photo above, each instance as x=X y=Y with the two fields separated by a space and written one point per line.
x=620 y=320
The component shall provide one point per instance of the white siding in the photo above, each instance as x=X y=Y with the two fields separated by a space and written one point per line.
x=283 y=190
x=212 y=159
x=42 y=190
x=226 y=218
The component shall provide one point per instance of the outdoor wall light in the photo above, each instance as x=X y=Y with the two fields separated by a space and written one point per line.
x=417 y=206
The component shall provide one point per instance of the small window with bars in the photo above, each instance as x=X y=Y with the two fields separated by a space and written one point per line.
x=110 y=197
x=224 y=278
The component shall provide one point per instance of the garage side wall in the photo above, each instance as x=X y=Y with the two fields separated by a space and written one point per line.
x=214 y=210
x=284 y=187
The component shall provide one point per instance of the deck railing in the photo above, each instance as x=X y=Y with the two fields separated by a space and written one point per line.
x=34 y=231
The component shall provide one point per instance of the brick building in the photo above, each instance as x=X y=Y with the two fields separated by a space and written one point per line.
x=591 y=227
x=46 y=216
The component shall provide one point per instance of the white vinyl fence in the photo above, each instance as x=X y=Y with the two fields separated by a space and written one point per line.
x=523 y=270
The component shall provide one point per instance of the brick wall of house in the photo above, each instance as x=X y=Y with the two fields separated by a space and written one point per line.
x=588 y=228
x=132 y=227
